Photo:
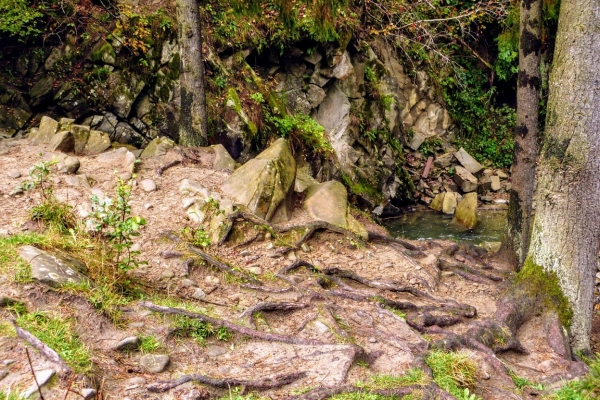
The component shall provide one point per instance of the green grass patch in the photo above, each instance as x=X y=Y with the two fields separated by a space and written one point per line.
x=59 y=334
x=200 y=331
x=149 y=344
x=11 y=265
x=453 y=372
x=413 y=376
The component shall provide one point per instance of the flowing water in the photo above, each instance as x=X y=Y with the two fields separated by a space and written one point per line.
x=491 y=226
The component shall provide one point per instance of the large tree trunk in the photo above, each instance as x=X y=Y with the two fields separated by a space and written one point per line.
x=566 y=230
x=528 y=100
x=193 y=126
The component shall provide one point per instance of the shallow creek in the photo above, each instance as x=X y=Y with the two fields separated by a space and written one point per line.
x=425 y=225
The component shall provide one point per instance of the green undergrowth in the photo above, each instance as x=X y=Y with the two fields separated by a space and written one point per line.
x=58 y=332
x=453 y=372
x=587 y=388
x=199 y=330
x=13 y=267
x=545 y=285
x=413 y=376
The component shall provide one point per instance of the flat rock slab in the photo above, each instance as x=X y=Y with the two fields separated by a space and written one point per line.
x=325 y=365
x=468 y=161
x=154 y=363
x=50 y=269
x=41 y=377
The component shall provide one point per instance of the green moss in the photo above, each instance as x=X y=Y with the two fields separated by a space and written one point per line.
x=233 y=100
x=545 y=285
x=97 y=53
x=174 y=66
x=362 y=187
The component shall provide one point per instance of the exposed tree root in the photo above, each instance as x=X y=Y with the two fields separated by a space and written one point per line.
x=266 y=289
x=409 y=246
x=43 y=349
x=266 y=383
x=431 y=391
x=273 y=337
x=269 y=306
x=163 y=168
x=309 y=229
x=210 y=259
x=467 y=272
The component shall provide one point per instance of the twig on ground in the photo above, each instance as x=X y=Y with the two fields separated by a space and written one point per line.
x=42 y=348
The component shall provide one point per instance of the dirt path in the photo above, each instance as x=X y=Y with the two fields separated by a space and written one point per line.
x=355 y=310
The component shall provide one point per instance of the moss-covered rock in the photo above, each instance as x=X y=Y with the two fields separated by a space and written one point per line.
x=466 y=210
x=265 y=183
x=104 y=53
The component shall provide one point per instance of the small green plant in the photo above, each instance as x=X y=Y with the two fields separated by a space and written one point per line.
x=413 y=376
x=50 y=211
x=370 y=75
x=521 y=382
x=198 y=237
x=453 y=372
x=304 y=128
x=200 y=330
x=257 y=98
x=431 y=145
x=112 y=220
x=149 y=344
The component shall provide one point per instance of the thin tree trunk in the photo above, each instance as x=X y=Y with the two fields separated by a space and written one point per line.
x=528 y=100
x=193 y=124
x=566 y=230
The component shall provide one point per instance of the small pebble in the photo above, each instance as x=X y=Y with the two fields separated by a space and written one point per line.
x=8 y=361
x=235 y=297
x=188 y=283
x=147 y=206
x=88 y=393
x=372 y=340
x=269 y=246
x=268 y=236
x=305 y=248
x=199 y=294
x=14 y=174
x=129 y=343
x=255 y=270
x=388 y=265
x=148 y=185
x=244 y=253
x=168 y=274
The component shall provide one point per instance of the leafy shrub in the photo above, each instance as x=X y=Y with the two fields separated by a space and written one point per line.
x=112 y=220
x=485 y=130
x=19 y=19
x=305 y=129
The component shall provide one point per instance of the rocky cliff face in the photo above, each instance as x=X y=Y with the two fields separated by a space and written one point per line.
x=371 y=106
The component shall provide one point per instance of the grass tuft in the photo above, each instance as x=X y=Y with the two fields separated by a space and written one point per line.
x=453 y=372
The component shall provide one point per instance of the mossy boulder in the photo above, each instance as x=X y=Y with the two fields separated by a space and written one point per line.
x=265 y=183
x=328 y=201
x=437 y=202
x=466 y=211
x=97 y=142
x=157 y=147
x=46 y=131
x=103 y=53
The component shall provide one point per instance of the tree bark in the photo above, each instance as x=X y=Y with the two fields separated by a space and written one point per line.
x=566 y=229
x=193 y=129
x=525 y=153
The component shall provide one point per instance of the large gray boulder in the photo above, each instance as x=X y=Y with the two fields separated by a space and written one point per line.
x=97 y=142
x=328 y=201
x=52 y=270
x=264 y=184
x=46 y=131
x=467 y=161
x=465 y=180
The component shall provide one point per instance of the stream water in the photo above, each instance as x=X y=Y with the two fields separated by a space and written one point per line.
x=426 y=225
